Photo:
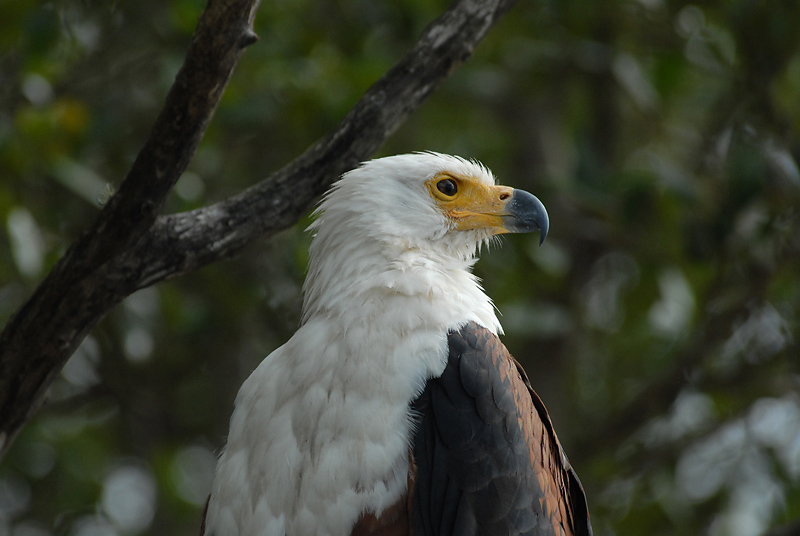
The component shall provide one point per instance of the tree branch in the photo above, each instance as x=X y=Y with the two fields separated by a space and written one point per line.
x=128 y=248
x=81 y=288
x=183 y=242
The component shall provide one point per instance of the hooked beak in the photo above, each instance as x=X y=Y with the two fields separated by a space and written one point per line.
x=524 y=213
x=471 y=204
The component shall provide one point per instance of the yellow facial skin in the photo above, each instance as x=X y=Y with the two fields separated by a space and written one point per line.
x=475 y=205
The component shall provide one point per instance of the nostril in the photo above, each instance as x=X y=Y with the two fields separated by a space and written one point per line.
x=504 y=196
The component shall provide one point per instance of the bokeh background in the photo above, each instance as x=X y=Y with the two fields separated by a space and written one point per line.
x=659 y=322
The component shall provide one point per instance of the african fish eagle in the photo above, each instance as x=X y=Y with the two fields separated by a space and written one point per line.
x=394 y=408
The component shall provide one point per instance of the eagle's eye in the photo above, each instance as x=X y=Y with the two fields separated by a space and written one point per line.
x=448 y=187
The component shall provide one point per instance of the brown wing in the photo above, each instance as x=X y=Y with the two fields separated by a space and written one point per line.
x=487 y=458
x=572 y=499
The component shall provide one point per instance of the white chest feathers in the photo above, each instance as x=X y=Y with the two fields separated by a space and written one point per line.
x=321 y=429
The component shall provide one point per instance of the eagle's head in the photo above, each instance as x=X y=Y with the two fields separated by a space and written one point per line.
x=422 y=209
x=431 y=199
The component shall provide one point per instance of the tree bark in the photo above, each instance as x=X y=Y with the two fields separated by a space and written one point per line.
x=130 y=247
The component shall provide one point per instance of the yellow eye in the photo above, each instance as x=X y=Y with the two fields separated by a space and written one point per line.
x=448 y=187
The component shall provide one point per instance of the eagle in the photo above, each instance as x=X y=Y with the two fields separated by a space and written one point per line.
x=395 y=409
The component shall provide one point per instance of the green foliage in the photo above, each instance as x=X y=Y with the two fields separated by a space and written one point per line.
x=659 y=322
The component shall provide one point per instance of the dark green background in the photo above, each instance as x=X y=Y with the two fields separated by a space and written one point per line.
x=659 y=322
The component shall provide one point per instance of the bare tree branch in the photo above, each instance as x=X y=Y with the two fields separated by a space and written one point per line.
x=184 y=242
x=128 y=247
x=81 y=288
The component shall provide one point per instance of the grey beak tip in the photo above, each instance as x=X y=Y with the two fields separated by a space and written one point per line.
x=527 y=214
x=544 y=227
